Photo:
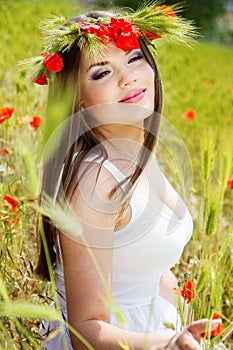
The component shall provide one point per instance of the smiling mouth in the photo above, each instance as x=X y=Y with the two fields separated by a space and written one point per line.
x=134 y=96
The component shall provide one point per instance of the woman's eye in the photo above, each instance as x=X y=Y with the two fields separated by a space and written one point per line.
x=97 y=76
x=136 y=58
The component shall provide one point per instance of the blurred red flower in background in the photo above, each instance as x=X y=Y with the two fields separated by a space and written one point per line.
x=36 y=122
x=6 y=150
x=6 y=113
x=230 y=182
x=207 y=84
x=190 y=115
x=12 y=202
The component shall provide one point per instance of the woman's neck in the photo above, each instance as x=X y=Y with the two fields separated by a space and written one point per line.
x=123 y=139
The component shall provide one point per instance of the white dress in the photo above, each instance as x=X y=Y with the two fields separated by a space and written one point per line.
x=149 y=245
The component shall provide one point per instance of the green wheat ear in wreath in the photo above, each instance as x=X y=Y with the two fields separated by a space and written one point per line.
x=60 y=37
x=152 y=21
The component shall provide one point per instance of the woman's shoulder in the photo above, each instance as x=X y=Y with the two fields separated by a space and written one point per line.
x=103 y=173
x=96 y=196
x=95 y=172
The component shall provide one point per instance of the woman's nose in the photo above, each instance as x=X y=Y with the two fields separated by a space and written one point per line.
x=127 y=78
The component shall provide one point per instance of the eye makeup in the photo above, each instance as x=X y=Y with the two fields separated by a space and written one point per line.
x=98 y=74
x=135 y=55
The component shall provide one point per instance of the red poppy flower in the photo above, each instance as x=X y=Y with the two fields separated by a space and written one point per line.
x=169 y=11
x=36 y=122
x=230 y=182
x=86 y=26
x=6 y=150
x=190 y=115
x=187 y=291
x=226 y=120
x=219 y=330
x=98 y=29
x=151 y=36
x=13 y=202
x=127 y=41
x=124 y=33
x=207 y=84
x=6 y=113
x=41 y=80
x=53 y=62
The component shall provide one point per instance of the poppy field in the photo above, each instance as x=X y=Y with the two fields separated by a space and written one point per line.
x=198 y=112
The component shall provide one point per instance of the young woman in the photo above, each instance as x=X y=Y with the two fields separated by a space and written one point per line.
x=113 y=280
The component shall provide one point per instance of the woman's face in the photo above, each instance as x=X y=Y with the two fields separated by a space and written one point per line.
x=117 y=77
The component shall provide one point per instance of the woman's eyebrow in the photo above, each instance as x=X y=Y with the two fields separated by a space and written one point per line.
x=104 y=63
x=97 y=64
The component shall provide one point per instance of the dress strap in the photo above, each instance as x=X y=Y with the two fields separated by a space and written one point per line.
x=116 y=173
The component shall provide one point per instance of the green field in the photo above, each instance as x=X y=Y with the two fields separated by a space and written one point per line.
x=199 y=79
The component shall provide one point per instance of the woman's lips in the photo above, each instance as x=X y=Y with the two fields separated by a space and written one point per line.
x=134 y=96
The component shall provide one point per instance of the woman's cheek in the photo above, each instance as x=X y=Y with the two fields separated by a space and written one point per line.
x=149 y=73
x=99 y=94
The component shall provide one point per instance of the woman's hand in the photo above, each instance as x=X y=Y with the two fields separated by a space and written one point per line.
x=190 y=337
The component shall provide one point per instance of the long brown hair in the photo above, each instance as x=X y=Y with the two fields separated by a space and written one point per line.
x=64 y=84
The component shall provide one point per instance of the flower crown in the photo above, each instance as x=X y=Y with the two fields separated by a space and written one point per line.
x=150 y=22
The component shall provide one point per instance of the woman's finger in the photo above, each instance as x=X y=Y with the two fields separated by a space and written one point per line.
x=183 y=341
x=186 y=341
x=198 y=328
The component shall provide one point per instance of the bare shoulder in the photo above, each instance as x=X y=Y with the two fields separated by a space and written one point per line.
x=92 y=200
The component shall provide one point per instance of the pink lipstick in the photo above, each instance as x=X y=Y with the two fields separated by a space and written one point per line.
x=134 y=96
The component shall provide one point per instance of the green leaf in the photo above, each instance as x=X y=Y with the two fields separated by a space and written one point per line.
x=27 y=309
x=62 y=215
x=3 y=290
x=30 y=170
x=13 y=178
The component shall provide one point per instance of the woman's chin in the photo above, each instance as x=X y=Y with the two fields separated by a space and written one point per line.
x=122 y=113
